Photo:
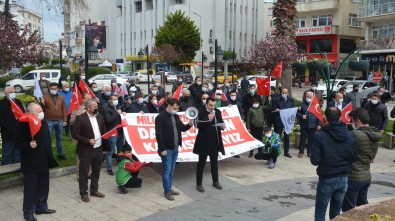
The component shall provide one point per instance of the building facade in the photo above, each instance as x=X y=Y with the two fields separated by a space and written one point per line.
x=329 y=27
x=378 y=47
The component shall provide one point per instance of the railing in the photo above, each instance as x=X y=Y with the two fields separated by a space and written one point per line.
x=376 y=44
x=376 y=10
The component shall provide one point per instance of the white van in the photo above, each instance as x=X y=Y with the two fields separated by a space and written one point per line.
x=27 y=81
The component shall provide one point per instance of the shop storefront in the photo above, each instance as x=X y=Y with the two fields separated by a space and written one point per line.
x=382 y=61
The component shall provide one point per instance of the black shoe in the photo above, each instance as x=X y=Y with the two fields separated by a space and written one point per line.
x=287 y=155
x=122 y=189
x=110 y=172
x=217 y=185
x=47 y=211
x=29 y=217
x=250 y=155
x=62 y=157
x=236 y=156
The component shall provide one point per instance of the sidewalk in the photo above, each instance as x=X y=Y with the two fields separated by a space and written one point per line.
x=251 y=192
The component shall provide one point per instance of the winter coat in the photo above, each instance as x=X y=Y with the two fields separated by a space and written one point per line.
x=111 y=117
x=7 y=120
x=209 y=138
x=367 y=139
x=281 y=104
x=311 y=122
x=354 y=98
x=255 y=117
x=378 y=115
x=333 y=150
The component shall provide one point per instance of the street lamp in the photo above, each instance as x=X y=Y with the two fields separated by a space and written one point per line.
x=141 y=56
x=90 y=51
x=204 y=59
x=219 y=54
x=68 y=51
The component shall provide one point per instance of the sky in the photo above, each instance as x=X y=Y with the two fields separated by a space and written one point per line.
x=53 y=23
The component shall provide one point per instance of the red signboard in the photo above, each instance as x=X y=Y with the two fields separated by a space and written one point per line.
x=319 y=30
x=377 y=76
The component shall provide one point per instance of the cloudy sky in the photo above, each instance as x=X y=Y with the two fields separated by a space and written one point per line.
x=53 y=23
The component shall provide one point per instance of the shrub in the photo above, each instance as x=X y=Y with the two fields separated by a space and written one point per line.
x=27 y=69
x=25 y=98
x=4 y=79
x=97 y=70
x=30 y=91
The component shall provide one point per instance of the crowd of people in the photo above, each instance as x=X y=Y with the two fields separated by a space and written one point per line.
x=342 y=153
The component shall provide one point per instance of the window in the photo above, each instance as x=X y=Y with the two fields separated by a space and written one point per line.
x=322 y=20
x=353 y=21
x=245 y=37
x=138 y=6
x=231 y=8
x=230 y=34
x=145 y=34
x=55 y=74
x=272 y=23
x=347 y=45
x=211 y=50
x=211 y=33
x=302 y=44
x=240 y=37
x=134 y=35
x=246 y=11
x=321 y=45
x=241 y=9
x=270 y=12
x=301 y=22
x=179 y=1
x=152 y=33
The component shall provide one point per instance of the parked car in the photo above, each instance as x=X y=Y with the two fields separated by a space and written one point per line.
x=186 y=75
x=139 y=77
x=221 y=77
x=27 y=81
x=15 y=71
x=103 y=79
x=338 y=84
x=124 y=75
x=170 y=77
x=365 y=87
x=252 y=80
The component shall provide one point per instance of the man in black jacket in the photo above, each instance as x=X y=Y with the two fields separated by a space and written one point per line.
x=36 y=159
x=7 y=125
x=249 y=97
x=196 y=89
x=333 y=151
x=112 y=117
x=168 y=127
x=378 y=113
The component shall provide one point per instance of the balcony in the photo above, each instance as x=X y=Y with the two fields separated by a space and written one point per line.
x=316 y=5
x=375 y=13
x=376 y=44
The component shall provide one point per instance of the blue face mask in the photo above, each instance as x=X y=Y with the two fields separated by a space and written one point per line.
x=108 y=93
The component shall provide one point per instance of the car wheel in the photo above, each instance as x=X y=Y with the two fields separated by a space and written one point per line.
x=18 y=89
x=137 y=81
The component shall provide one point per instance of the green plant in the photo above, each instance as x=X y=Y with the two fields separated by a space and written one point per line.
x=377 y=217
x=92 y=71
x=30 y=91
x=27 y=69
x=24 y=98
x=4 y=79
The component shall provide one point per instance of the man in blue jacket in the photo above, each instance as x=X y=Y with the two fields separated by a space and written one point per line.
x=333 y=151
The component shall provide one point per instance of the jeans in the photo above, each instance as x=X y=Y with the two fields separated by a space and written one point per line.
x=168 y=164
x=306 y=133
x=58 y=126
x=333 y=190
x=279 y=130
x=117 y=141
x=10 y=153
x=357 y=194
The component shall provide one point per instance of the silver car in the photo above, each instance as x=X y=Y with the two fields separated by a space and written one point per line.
x=103 y=79
x=139 y=77
x=366 y=87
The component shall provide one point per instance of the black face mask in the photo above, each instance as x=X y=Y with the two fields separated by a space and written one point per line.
x=186 y=98
x=132 y=85
x=356 y=90
x=95 y=111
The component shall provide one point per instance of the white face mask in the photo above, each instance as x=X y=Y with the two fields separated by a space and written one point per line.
x=41 y=115
x=308 y=100
x=95 y=89
x=66 y=89
x=268 y=135
x=374 y=102
x=43 y=78
x=284 y=96
x=184 y=89
x=157 y=84
x=114 y=103
x=314 y=88
x=255 y=105
x=380 y=93
x=252 y=91
x=12 y=96
x=218 y=97
x=154 y=92
x=227 y=84
x=63 y=82
x=340 y=101
x=198 y=82
x=53 y=92
x=141 y=100
x=204 y=101
x=233 y=98
x=172 y=111
x=83 y=77
x=155 y=102
x=204 y=89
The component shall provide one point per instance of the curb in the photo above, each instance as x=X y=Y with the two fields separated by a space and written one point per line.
x=14 y=181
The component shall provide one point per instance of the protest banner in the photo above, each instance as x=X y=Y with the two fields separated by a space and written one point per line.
x=140 y=134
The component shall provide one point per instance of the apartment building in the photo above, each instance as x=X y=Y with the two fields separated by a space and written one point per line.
x=378 y=46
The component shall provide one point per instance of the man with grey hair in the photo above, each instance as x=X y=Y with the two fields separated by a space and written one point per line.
x=87 y=130
x=36 y=159
x=186 y=101
x=8 y=122
x=309 y=124
x=104 y=95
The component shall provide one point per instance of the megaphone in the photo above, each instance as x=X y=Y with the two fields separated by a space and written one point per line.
x=192 y=113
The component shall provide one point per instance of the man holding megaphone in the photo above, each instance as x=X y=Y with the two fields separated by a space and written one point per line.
x=209 y=142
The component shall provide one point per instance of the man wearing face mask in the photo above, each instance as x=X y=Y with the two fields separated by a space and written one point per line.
x=168 y=96
x=168 y=127
x=133 y=87
x=316 y=93
x=66 y=94
x=309 y=124
x=7 y=125
x=226 y=88
x=378 y=113
x=138 y=105
x=153 y=91
x=56 y=116
x=255 y=122
x=354 y=96
x=36 y=160
x=233 y=101
x=88 y=129
x=384 y=95
x=176 y=84
x=367 y=99
x=203 y=101
x=249 y=97
x=161 y=90
x=112 y=117
x=282 y=103
x=196 y=89
x=337 y=102
x=218 y=100
x=44 y=83
x=104 y=95
x=186 y=101
x=94 y=88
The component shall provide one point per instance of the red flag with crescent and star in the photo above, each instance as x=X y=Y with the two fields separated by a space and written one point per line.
x=263 y=86
x=16 y=110
x=345 y=116
x=177 y=93
x=85 y=89
x=315 y=109
x=76 y=100
x=276 y=72
x=34 y=123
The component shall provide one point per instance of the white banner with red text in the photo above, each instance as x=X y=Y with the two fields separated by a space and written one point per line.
x=140 y=134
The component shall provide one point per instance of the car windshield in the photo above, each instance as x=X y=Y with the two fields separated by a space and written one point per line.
x=351 y=83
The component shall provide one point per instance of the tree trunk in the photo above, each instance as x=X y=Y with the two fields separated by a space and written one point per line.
x=286 y=80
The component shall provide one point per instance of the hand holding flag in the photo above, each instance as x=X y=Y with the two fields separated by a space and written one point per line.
x=315 y=109
x=34 y=123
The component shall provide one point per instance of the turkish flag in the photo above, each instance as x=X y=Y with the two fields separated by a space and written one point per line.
x=16 y=110
x=76 y=100
x=276 y=72
x=34 y=123
x=315 y=109
x=345 y=117
x=123 y=123
x=263 y=86
x=223 y=97
x=113 y=132
x=161 y=102
x=85 y=89
x=177 y=93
